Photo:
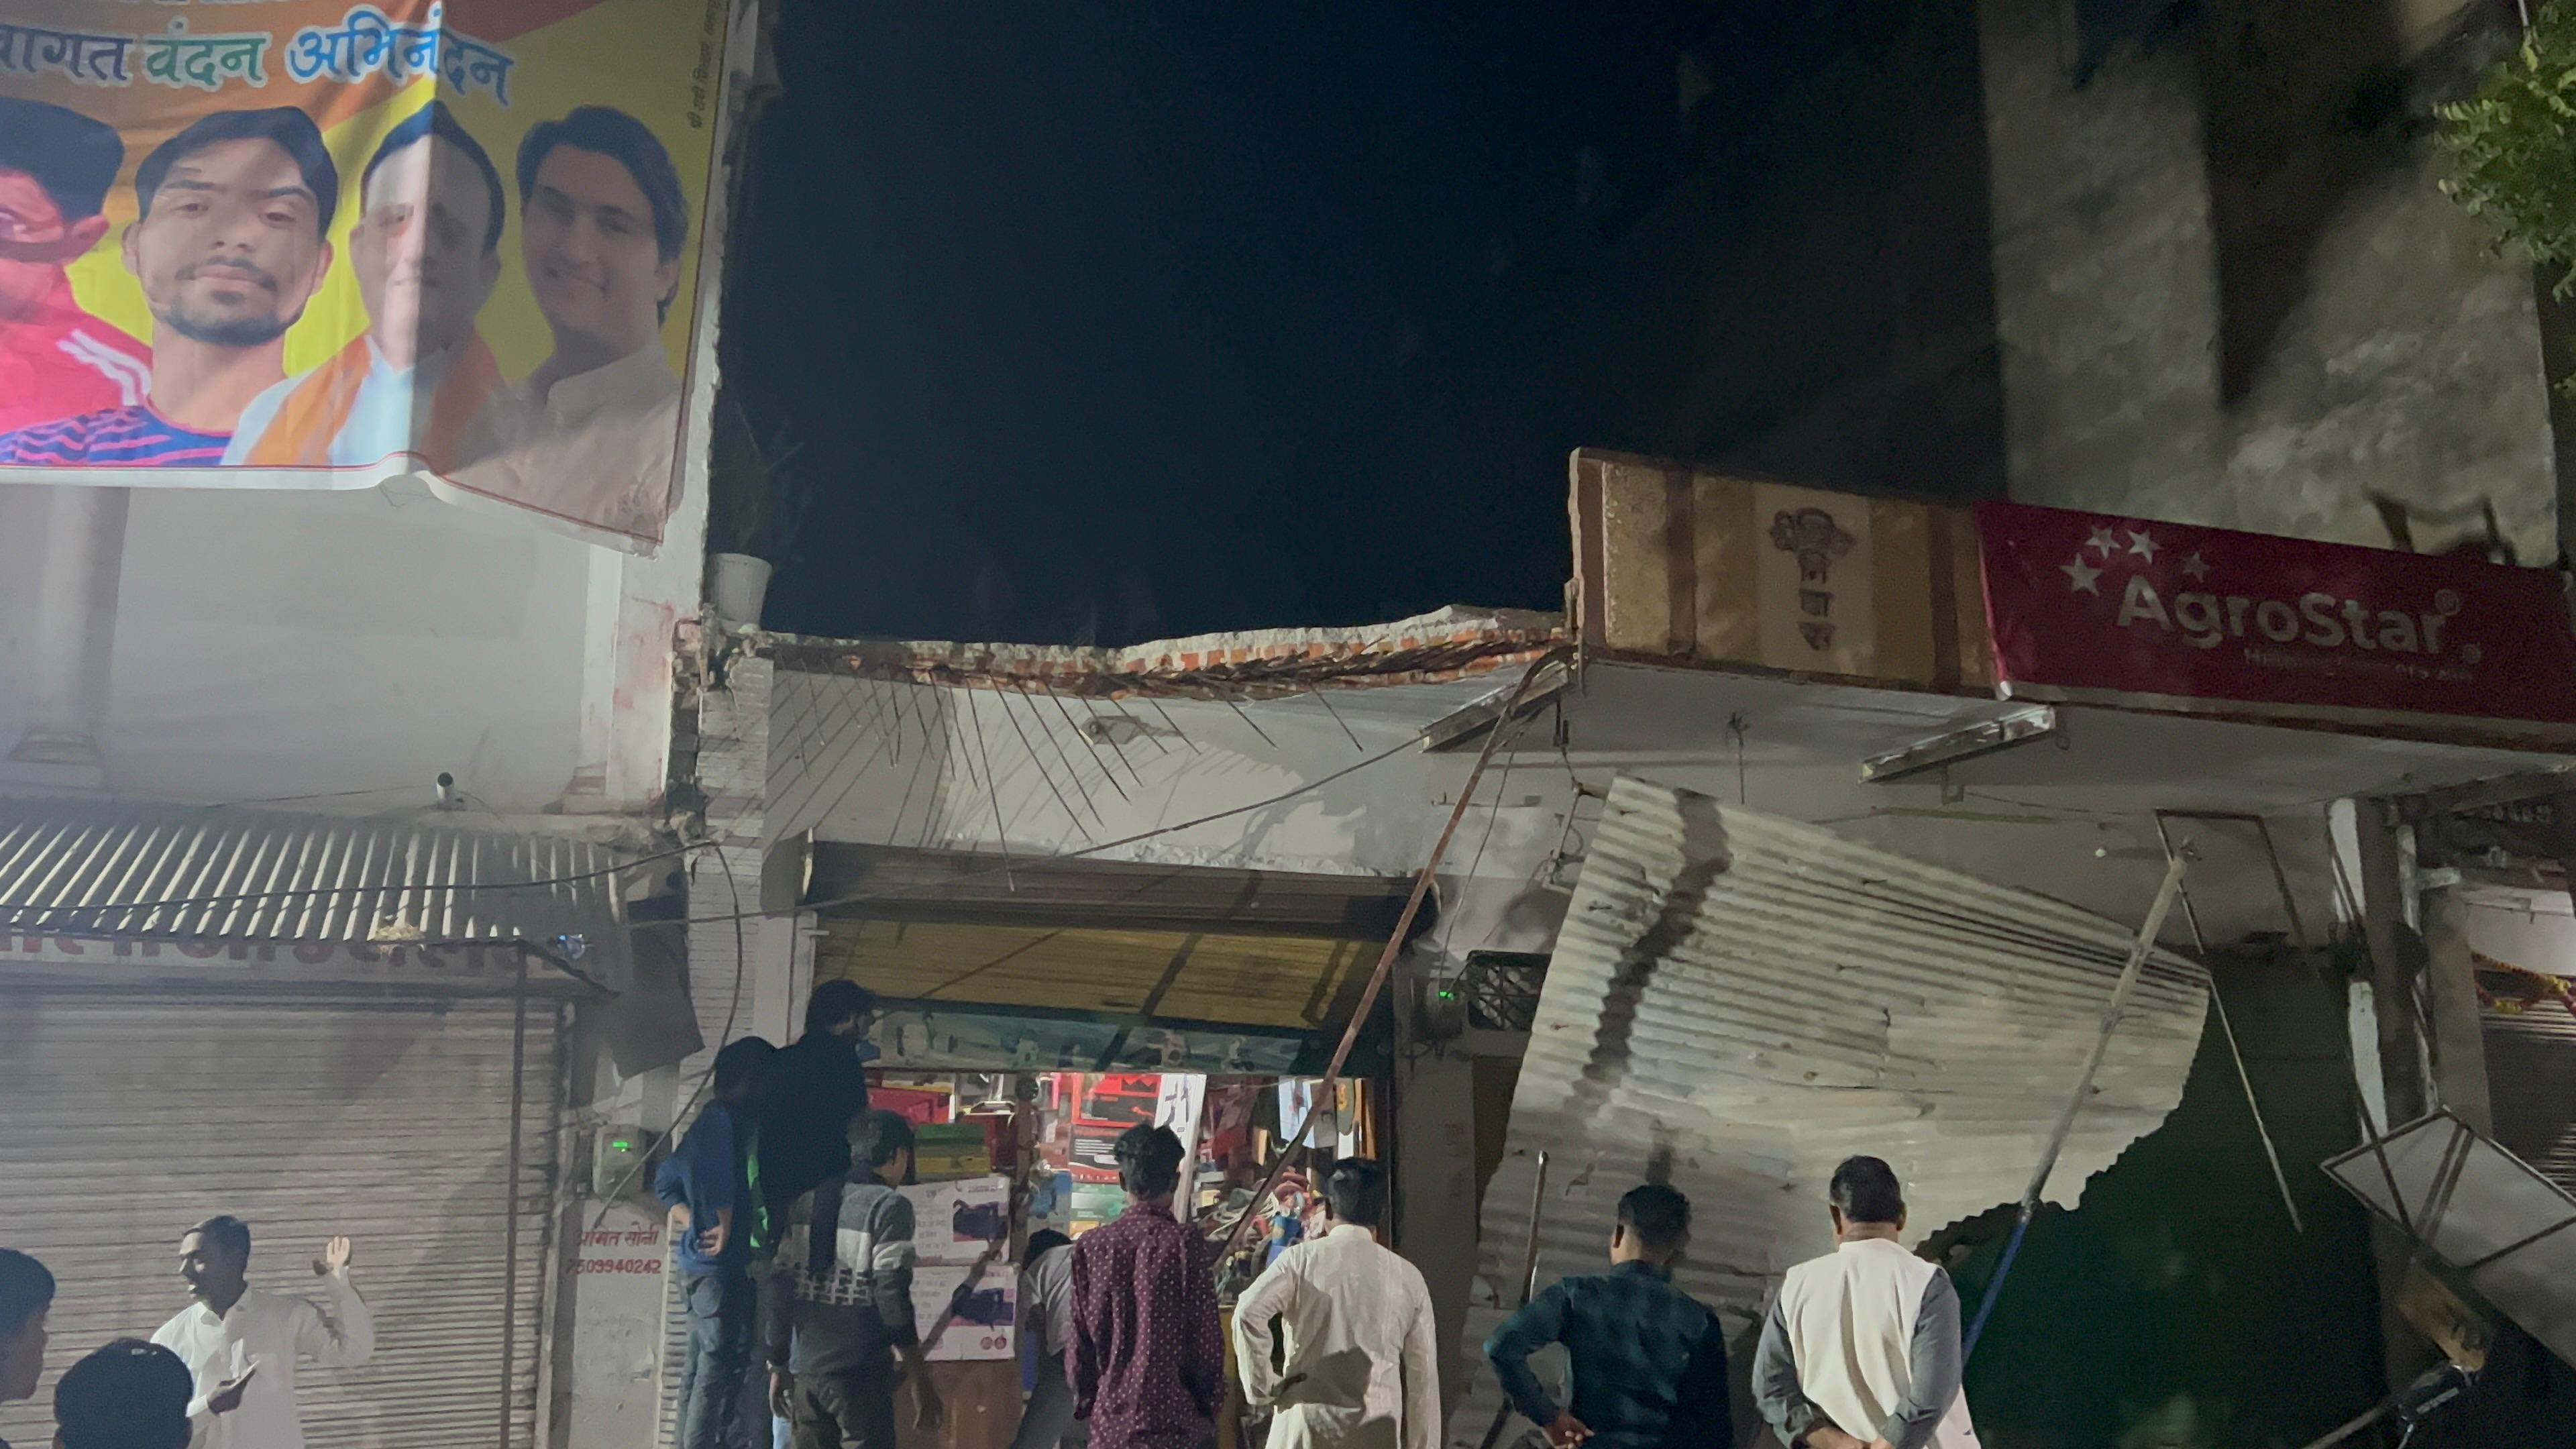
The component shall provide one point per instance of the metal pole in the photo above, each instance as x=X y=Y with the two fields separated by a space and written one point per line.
x=2227 y=1029
x=1529 y=1289
x=2111 y=1015
x=1386 y=958
x=510 y=1204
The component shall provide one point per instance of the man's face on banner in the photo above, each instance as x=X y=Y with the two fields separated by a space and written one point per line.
x=35 y=241
x=591 y=256
x=418 y=249
x=232 y=249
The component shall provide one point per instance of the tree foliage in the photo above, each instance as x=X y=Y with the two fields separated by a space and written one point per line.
x=2513 y=145
x=757 y=491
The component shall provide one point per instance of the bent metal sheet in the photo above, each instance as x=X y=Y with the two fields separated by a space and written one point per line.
x=2089 y=606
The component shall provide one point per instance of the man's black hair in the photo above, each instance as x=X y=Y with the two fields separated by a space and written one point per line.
x=26 y=1289
x=615 y=134
x=1043 y=1242
x=1356 y=1191
x=1865 y=1190
x=876 y=1135
x=285 y=127
x=74 y=158
x=227 y=1232
x=834 y=1002
x=738 y=1066
x=128 y=1395
x=436 y=121
x=1658 y=1216
x=1149 y=1160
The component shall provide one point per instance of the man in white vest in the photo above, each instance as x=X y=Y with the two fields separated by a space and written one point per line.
x=1862 y=1349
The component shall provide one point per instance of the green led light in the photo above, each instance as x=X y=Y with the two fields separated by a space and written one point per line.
x=621 y=1144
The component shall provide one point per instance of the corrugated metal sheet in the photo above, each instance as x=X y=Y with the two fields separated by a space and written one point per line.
x=1294 y=982
x=1744 y=1001
x=180 y=873
x=2531 y=1080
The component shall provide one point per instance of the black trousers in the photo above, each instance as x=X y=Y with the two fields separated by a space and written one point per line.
x=853 y=1409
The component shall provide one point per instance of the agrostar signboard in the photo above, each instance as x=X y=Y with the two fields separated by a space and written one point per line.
x=2092 y=607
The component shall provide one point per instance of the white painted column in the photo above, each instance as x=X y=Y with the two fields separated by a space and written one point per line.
x=75 y=639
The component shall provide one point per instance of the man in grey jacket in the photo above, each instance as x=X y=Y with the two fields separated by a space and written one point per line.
x=837 y=1308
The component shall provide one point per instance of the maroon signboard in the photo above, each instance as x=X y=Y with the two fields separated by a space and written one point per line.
x=2084 y=606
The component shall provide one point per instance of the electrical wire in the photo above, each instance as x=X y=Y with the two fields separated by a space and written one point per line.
x=739 y=913
x=1023 y=862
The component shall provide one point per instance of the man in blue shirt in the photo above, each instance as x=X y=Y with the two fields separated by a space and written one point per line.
x=1646 y=1362
x=704 y=1186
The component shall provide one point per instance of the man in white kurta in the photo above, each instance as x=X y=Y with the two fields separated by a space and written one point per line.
x=234 y=1329
x=1360 y=1364
x=1862 y=1349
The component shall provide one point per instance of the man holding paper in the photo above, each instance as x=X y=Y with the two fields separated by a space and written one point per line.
x=242 y=1345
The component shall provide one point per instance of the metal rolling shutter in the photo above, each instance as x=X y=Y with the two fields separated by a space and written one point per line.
x=126 y=1117
x=2531 y=1066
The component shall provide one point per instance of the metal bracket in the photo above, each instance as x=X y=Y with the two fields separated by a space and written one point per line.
x=2020 y=727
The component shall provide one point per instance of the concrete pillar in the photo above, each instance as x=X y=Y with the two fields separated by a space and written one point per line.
x=2397 y=963
x=1435 y=1200
x=2385 y=852
x=2459 y=1039
x=75 y=639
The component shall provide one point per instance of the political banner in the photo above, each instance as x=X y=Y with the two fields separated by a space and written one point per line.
x=2088 y=607
x=318 y=245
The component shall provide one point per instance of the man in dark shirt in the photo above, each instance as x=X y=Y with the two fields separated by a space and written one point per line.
x=807 y=1098
x=26 y=1295
x=703 y=1185
x=1647 y=1363
x=1146 y=1358
x=838 y=1309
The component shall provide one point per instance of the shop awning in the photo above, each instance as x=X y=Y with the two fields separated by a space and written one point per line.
x=200 y=893
x=892 y=883
x=1277 y=983
x=1094 y=964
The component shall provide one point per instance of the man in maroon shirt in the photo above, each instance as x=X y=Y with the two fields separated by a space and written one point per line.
x=1147 y=1364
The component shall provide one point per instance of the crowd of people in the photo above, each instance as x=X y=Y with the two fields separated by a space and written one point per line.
x=220 y=1374
x=798 y=1245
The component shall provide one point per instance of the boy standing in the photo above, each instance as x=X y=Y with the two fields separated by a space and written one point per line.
x=838 y=1308
x=704 y=1187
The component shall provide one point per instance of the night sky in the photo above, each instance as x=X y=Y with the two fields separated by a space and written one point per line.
x=1104 y=320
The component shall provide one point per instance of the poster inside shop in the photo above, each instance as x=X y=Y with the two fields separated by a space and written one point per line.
x=985 y=1314
x=958 y=1222
x=316 y=245
x=1335 y=1129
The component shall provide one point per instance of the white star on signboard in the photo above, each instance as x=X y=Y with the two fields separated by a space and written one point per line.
x=2196 y=566
x=2105 y=540
x=2142 y=545
x=2080 y=576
